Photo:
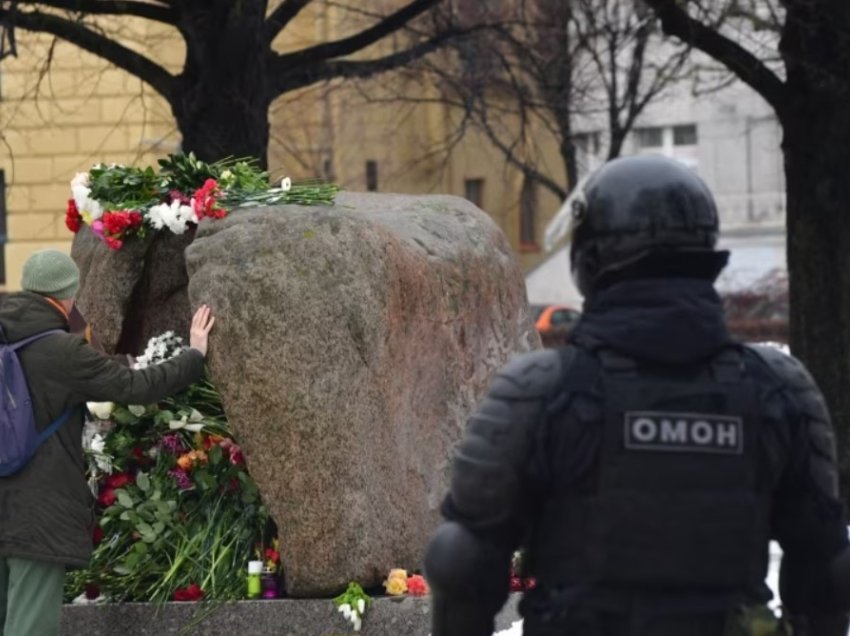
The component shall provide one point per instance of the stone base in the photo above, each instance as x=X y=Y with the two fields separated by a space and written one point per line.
x=404 y=616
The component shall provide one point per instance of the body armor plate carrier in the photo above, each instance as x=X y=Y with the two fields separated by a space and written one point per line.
x=676 y=503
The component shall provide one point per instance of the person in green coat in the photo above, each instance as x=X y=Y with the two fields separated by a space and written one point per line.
x=46 y=509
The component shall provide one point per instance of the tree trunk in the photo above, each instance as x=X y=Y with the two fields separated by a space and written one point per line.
x=816 y=161
x=222 y=98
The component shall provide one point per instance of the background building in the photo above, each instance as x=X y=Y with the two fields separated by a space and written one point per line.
x=63 y=110
x=731 y=138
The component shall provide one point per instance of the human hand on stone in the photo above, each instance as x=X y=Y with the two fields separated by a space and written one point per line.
x=202 y=324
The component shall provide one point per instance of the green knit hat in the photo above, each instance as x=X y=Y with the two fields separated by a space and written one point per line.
x=51 y=273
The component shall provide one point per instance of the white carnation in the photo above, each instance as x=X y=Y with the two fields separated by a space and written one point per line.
x=80 y=179
x=155 y=216
x=80 y=194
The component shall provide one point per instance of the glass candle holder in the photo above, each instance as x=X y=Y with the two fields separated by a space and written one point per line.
x=270 y=585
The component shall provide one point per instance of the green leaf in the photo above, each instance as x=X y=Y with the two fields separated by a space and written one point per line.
x=143 y=482
x=124 y=499
x=215 y=455
x=144 y=528
x=120 y=569
x=122 y=416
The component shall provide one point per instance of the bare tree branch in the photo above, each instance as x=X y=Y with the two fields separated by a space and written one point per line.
x=283 y=15
x=287 y=77
x=76 y=33
x=111 y=7
x=752 y=71
x=360 y=41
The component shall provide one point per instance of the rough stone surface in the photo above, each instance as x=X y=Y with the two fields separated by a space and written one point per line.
x=352 y=342
x=134 y=293
x=387 y=617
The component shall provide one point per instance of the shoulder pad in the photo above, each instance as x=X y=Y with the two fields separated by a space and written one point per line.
x=785 y=368
x=529 y=376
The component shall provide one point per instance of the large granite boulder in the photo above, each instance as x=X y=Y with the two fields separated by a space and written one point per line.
x=135 y=293
x=351 y=344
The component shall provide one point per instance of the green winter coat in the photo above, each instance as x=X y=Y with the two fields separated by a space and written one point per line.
x=47 y=509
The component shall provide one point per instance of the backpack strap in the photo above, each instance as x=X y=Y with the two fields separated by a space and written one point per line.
x=54 y=426
x=20 y=344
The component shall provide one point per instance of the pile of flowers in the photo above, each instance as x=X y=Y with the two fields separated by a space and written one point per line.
x=178 y=514
x=118 y=202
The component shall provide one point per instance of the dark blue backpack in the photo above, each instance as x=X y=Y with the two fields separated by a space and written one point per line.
x=19 y=438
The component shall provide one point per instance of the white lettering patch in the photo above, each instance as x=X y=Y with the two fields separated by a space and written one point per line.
x=684 y=432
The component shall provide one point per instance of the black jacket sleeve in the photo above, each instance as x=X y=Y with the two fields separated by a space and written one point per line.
x=489 y=478
x=809 y=520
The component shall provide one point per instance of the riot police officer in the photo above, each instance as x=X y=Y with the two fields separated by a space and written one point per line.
x=645 y=467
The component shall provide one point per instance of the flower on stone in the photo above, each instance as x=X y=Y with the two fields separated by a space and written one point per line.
x=176 y=216
x=172 y=443
x=80 y=179
x=181 y=478
x=73 y=218
x=396 y=583
x=187 y=462
x=286 y=184
x=119 y=480
x=191 y=593
x=107 y=497
x=186 y=423
x=98 y=444
x=345 y=610
x=416 y=585
x=204 y=202
x=101 y=410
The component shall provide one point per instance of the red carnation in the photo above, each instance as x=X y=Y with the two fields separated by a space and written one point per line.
x=135 y=220
x=106 y=498
x=73 y=219
x=92 y=591
x=416 y=585
x=113 y=243
x=97 y=535
x=272 y=555
x=204 y=202
x=190 y=593
x=138 y=454
x=118 y=480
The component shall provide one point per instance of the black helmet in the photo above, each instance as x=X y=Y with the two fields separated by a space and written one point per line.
x=640 y=215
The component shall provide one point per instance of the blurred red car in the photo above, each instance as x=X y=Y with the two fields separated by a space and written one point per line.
x=548 y=318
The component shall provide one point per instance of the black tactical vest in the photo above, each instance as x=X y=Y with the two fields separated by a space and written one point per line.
x=674 y=503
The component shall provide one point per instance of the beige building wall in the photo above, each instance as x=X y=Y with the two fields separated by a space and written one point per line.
x=61 y=118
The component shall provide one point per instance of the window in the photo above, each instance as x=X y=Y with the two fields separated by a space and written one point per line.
x=685 y=135
x=588 y=147
x=528 y=214
x=2 y=227
x=372 y=175
x=649 y=137
x=474 y=191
